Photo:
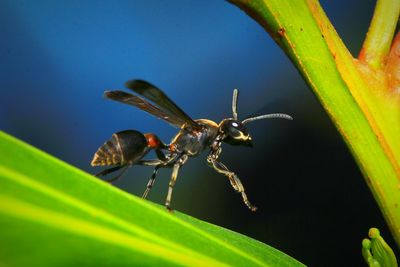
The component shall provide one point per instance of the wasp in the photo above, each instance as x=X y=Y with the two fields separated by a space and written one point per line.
x=129 y=147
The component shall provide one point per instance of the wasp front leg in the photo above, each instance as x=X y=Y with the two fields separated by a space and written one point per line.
x=218 y=166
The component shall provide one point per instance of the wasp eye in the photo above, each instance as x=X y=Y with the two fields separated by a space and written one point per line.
x=234 y=124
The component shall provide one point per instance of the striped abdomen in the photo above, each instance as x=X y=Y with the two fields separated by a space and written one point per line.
x=126 y=147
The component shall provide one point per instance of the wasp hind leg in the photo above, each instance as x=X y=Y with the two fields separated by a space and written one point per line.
x=151 y=182
x=113 y=169
x=162 y=162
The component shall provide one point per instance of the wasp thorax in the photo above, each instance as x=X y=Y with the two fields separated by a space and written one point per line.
x=235 y=133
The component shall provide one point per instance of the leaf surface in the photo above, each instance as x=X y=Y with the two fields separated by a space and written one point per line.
x=52 y=214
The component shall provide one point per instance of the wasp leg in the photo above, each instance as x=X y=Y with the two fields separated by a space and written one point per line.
x=234 y=180
x=158 y=163
x=151 y=182
x=119 y=175
x=165 y=161
x=178 y=164
x=107 y=171
x=110 y=170
x=150 y=162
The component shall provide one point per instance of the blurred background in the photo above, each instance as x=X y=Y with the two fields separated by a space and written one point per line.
x=57 y=58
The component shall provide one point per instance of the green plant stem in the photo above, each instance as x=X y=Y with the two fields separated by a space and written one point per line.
x=367 y=119
x=377 y=44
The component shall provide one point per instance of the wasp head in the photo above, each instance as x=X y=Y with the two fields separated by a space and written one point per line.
x=235 y=133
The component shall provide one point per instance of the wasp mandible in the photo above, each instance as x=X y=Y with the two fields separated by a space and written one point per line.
x=127 y=148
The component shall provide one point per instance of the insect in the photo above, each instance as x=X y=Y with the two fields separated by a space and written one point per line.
x=128 y=148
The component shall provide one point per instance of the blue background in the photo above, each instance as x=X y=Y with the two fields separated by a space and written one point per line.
x=57 y=58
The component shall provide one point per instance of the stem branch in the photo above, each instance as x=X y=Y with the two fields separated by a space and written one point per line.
x=380 y=33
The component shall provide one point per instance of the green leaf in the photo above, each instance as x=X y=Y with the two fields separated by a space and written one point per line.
x=52 y=214
x=356 y=93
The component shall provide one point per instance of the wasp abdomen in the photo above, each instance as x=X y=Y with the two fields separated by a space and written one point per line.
x=125 y=147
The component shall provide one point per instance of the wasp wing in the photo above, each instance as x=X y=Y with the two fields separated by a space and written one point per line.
x=157 y=96
x=138 y=102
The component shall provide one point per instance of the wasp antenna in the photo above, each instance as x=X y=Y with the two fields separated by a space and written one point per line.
x=234 y=103
x=268 y=116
